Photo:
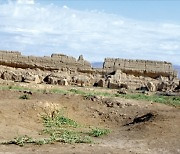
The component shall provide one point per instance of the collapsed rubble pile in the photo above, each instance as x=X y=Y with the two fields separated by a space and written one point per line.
x=66 y=70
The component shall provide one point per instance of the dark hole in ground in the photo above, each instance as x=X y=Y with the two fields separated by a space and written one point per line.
x=140 y=119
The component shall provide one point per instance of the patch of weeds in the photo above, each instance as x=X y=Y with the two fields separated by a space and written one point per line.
x=57 y=120
x=76 y=91
x=21 y=140
x=3 y=88
x=74 y=137
x=91 y=95
x=58 y=91
x=15 y=88
x=43 y=141
x=117 y=95
x=24 y=97
x=18 y=88
x=96 y=132
x=106 y=94
x=168 y=100
x=61 y=129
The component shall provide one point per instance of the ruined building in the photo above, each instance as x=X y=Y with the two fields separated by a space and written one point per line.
x=66 y=70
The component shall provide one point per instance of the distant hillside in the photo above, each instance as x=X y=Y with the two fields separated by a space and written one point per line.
x=177 y=67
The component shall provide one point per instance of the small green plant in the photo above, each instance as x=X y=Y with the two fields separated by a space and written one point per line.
x=24 y=97
x=57 y=120
x=96 y=132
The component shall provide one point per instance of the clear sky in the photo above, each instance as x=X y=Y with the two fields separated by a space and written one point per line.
x=137 y=29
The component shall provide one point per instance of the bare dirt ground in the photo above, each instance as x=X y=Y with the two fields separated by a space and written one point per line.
x=161 y=134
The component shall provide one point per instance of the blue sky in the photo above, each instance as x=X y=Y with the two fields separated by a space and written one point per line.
x=95 y=28
x=148 y=10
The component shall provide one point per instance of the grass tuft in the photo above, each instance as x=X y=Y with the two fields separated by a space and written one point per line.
x=96 y=132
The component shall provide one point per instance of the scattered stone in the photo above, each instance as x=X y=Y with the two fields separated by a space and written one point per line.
x=81 y=80
x=122 y=91
x=151 y=87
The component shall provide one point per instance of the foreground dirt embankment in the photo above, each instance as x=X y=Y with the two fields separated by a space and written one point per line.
x=158 y=133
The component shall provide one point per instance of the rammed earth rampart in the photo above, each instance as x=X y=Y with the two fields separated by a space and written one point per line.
x=145 y=68
x=55 y=62
x=140 y=67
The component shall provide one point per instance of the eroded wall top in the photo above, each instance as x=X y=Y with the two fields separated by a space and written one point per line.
x=140 y=67
x=56 y=61
x=148 y=68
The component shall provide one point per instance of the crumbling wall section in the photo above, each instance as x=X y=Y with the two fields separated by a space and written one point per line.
x=55 y=62
x=145 y=68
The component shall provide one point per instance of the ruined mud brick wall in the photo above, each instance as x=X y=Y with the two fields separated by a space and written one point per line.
x=55 y=62
x=145 y=68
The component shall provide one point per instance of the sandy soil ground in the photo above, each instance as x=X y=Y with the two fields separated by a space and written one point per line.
x=161 y=134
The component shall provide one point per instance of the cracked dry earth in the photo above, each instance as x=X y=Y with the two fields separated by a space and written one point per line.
x=132 y=130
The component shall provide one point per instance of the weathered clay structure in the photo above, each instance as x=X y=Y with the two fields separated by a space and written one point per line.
x=55 y=62
x=145 y=68
x=64 y=70
x=139 y=74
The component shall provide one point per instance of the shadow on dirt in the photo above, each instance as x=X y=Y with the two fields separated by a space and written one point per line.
x=140 y=119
